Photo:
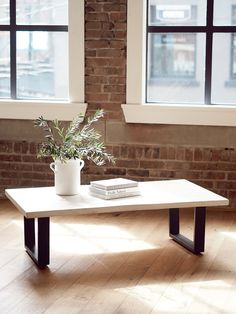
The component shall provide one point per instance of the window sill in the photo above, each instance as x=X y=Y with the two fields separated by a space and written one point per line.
x=180 y=114
x=30 y=110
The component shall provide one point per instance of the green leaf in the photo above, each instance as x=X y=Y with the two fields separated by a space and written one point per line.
x=74 y=142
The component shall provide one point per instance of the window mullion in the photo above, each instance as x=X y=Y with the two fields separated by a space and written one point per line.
x=13 y=47
x=209 y=43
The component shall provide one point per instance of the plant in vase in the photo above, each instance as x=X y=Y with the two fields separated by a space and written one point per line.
x=69 y=147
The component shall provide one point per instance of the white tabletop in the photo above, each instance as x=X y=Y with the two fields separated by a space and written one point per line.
x=43 y=201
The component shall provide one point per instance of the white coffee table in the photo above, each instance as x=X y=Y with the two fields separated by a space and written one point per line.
x=42 y=203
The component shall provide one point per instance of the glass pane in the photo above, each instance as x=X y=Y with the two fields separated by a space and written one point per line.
x=224 y=69
x=42 y=65
x=224 y=12
x=162 y=12
x=4 y=64
x=4 y=12
x=233 y=57
x=176 y=65
x=45 y=12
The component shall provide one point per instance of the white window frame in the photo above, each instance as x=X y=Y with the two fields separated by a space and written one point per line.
x=136 y=110
x=61 y=110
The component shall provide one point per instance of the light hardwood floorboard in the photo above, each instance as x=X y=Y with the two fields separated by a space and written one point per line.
x=119 y=263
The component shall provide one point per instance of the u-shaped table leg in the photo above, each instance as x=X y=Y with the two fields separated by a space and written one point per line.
x=198 y=243
x=37 y=242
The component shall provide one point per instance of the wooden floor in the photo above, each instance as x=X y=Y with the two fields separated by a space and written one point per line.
x=119 y=263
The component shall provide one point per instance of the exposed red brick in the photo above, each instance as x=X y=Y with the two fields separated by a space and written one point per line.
x=97 y=80
x=6 y=146
x=112 y=7
x=93 y=25
x=117 y=80
x=116 y=151
x=123 y=163
x=91 y=53
x=21 y=147
x=94 y=88
x=124 y=151
x=115 y=171
x=226 y=166
x=94 y=7
x=41 y=167
x=213 y=175
x=171 y=153
x=118 y=16
x=10 y=158
x=189 y=153
x=233 y=156
x=198 y=154
x=138 y=172
x=97 y=44
x=94 y=16
x=231 y=176
x=107 y=25
x=120 y=26
x=97 y=97
x=166 y=174
x=119 y=44
x=152 y=164
x=215 y=154
x=203 y=166
x=226 y=185
x=114 y=88
x=180 y=153
x=120 y=34
x=9 y=174
x=109 y=53
x=163 y=152
x=117 y=97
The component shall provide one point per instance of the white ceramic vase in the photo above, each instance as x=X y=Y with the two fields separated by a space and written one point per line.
x=67 y=176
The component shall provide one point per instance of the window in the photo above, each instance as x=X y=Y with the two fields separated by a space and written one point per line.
x=171 y=55
x=185 y=43
x=183 y=62
x=41 y=63
x=233 y=47
x=233 y=57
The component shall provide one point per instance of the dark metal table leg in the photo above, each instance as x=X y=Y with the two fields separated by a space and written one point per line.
x=37 y=243
x=197 y=245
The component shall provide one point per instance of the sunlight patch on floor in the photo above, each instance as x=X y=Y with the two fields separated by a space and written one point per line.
x=229 y=234
x=176 y=298
x=95 y=239
x=18 y=223
x=92 y=239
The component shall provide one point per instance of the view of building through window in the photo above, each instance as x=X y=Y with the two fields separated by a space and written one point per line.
x=233 y=61
x=233 y=55
x=34 y=51
x=174 y=55
x=176 y=60
x=4 y=64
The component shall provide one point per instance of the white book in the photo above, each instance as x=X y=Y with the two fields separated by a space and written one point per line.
x=94 y=189
x=113 y=184
x=114 y=196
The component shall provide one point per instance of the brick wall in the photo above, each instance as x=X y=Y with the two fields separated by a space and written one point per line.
x=19 y=166
x=213 y=168
x=205 y=155
x=105 y=55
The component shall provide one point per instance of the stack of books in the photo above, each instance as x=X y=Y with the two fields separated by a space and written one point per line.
x=114 y=188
